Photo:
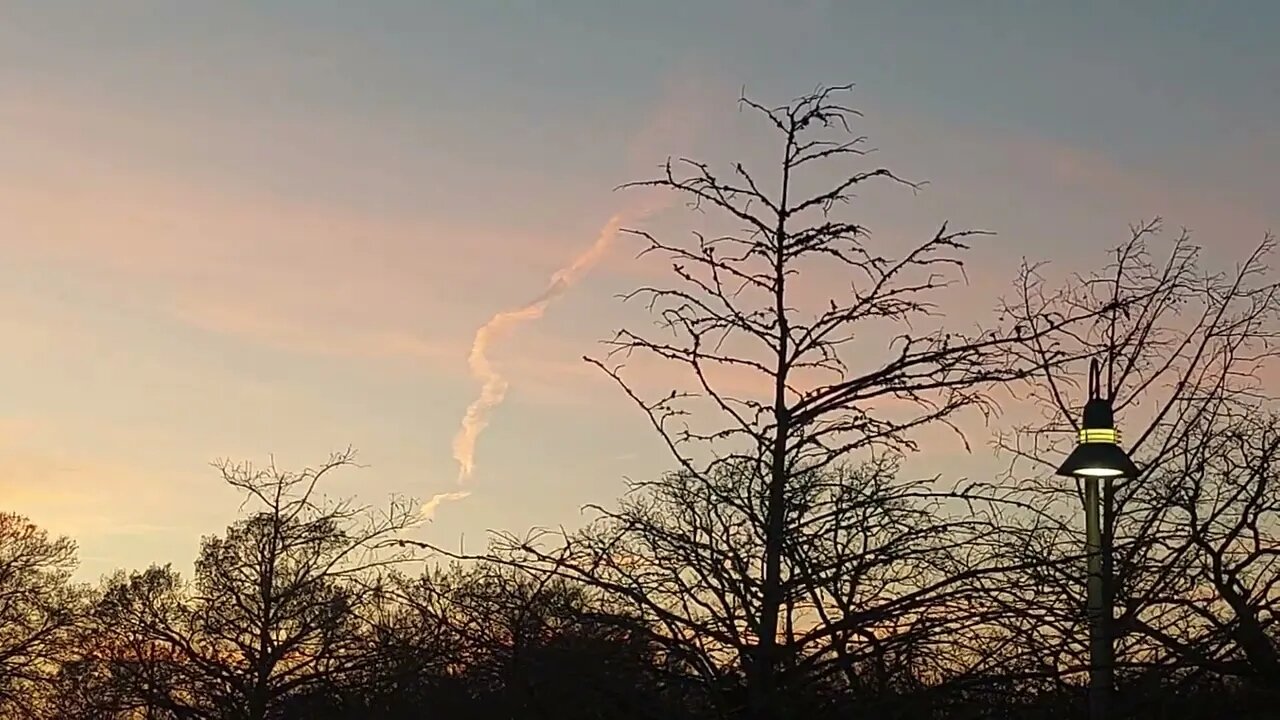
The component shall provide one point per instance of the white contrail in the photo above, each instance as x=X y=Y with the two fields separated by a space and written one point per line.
x=493 y=387
x=675 y=118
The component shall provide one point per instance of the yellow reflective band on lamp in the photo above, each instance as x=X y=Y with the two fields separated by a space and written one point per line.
x=1100 y=435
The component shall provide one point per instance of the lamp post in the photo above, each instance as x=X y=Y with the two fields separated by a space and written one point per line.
x=1098 y=460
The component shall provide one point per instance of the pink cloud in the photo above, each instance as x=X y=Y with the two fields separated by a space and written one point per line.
x=1192 y=200
x=315 y=280
x=307 y=336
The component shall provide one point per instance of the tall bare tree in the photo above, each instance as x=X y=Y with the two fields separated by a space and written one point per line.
x=773 y=542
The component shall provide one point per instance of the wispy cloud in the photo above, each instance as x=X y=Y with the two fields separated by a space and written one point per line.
x=308 y=337
x=674 y=119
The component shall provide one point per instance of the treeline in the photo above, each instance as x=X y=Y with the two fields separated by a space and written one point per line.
x=790 y=566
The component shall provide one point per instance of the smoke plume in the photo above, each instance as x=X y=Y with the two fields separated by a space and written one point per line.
x=493 y=386
x=674 y=119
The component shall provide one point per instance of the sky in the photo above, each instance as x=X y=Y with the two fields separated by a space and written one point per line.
x=272 y=229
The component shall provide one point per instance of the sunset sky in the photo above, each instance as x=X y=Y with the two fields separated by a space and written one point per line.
x=235 y=229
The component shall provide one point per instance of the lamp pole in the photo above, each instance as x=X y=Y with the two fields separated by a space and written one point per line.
x=1097 y=548
x=1097 y=461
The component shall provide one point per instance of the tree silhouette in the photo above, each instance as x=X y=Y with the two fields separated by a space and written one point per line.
x=39 y=610
x=273 y=609
x=1221 y=494
x=1192 y=573
x=789 y=566
x=540 y=647
x=747 y=553
x=486 y=641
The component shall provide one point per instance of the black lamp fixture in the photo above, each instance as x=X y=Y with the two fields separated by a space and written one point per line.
x=1099 y=454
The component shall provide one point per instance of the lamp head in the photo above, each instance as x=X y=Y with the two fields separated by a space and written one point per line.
x=1098 y=453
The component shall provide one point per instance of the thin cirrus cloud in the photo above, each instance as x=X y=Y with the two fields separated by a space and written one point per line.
x=278 y=271
x=220 y=257
x=202 y=247
x=1193 y=197
x=81 y=189
x=304 y=281
x=303 y=336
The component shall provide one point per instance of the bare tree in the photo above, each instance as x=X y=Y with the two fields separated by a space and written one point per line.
x=418 y=649
x=767 y=546
x=1191 y=571
x=274 y=608
x=1221 y=496
x=39 y=611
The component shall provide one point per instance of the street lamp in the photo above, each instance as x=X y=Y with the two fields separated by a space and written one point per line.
x=1098 y=459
